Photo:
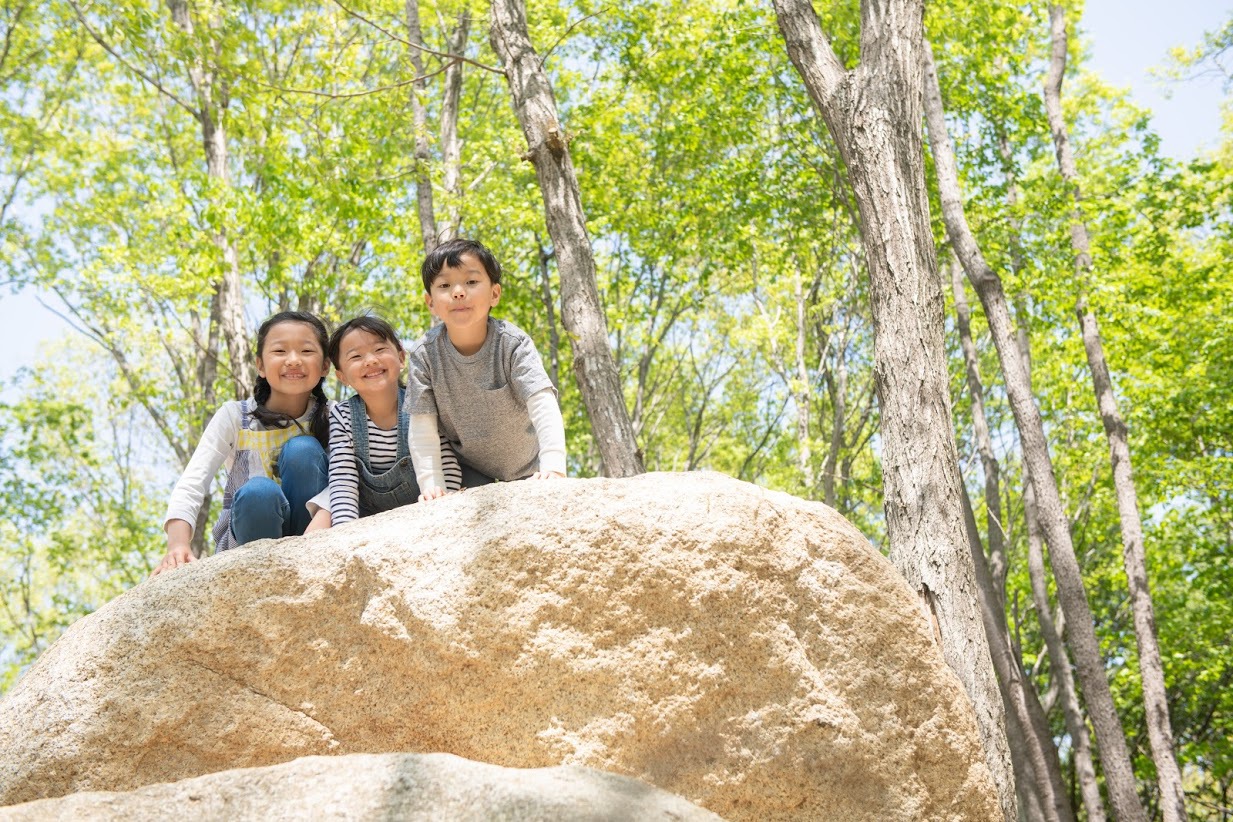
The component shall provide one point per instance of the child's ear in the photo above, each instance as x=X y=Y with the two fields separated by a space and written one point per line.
x=496 y=293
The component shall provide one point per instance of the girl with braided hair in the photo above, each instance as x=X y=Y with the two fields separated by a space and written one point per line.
x=273 y=445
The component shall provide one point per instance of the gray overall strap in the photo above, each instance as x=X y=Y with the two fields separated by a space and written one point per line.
x=359 y=429
x=404 y=425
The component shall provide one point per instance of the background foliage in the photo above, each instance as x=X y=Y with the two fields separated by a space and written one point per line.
x=729 y=259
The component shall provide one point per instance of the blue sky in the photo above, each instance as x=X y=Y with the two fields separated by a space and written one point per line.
x=1127 y=37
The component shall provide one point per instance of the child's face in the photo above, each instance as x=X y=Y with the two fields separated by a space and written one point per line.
x=369 y=364
x=462 y=296
x=292 y=359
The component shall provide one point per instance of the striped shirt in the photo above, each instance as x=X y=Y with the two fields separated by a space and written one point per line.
x=382 y=454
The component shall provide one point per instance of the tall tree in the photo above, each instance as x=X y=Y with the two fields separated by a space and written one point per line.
x=581 y=312
x=1066 y=570
x=1151 y=669
x=874 y=112
x=1038 y=773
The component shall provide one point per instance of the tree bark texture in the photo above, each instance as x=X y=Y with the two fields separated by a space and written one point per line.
x=419 y=123
x=581 y=312
x=211 y=104
x=874 y=114
x=451 y=143
x=1151 y=668
x=1071 y=591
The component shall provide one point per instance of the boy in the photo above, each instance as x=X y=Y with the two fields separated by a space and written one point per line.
x=478 y=382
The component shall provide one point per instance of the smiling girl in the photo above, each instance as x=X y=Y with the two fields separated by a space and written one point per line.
x=273 y=445
x=370 y=459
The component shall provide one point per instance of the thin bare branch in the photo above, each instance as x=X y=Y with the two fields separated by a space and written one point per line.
x=349 y=95
x=406 y=42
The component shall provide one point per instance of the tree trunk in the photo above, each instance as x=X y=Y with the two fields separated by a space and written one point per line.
x=1071 y=592
x=800 y=392
x=1063 y=681
x=1151 y=669
x=874 y=114
x=451 y=144
x=581 y=312
x=419 y=122
x=543 y=255
x=1035 y=744
x=837 y=386
x=1072 y=712
x=1039 y=774
x=984 y=444
x=210 y=102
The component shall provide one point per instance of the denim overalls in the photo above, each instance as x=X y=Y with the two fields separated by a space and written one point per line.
x=395 y=487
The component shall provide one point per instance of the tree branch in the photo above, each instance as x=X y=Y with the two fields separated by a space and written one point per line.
x=425 y=49
x=348 y=95
x=96 y=37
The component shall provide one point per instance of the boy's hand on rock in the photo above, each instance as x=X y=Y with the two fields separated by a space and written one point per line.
x=432 y=492
x=546 y=475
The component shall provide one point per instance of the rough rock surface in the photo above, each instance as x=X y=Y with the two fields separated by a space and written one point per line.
x=742 y=648
x=407 y=787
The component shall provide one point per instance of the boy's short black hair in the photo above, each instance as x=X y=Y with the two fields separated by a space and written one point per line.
x=449 y=254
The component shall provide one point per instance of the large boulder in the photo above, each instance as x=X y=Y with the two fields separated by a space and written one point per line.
x=406 y=787
x=739 y=647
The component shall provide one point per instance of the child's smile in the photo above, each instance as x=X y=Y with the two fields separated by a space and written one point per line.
x=292 y=361
x=369 y=364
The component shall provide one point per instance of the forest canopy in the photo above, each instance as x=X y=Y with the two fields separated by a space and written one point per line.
x=172 y=173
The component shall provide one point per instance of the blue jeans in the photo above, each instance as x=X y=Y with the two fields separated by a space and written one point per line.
x=262 y=509
x=473 y=477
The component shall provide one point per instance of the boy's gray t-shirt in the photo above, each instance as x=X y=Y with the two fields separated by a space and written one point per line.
x=481 y=401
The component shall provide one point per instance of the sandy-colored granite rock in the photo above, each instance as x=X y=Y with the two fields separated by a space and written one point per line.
x=742 y=648
x=405 y=787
